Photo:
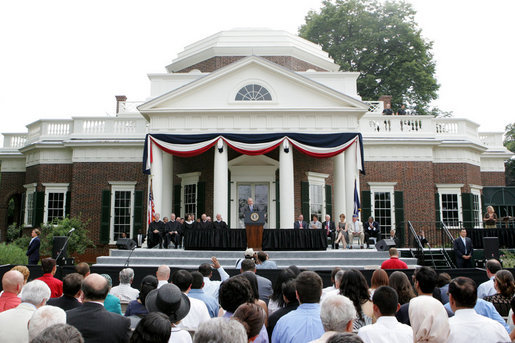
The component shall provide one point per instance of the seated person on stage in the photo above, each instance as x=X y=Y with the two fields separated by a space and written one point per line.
x=189 y=223
x=219 y=224
x=173 y=232
x=422 y=237
x=393 y=237
x=204 y=224
x=490 y=218
x=300 y=223
x=342 y=232
x=315 y=224
x=154 y=234
x=356 y=230
x=372 y=229
x=330 y=228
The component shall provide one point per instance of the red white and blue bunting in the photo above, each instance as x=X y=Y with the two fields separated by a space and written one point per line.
x=314 y=145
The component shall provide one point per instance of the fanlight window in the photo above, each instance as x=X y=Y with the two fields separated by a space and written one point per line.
x=253 y=93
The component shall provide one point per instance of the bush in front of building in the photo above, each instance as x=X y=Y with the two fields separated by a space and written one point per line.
x=12 y=254
x=79 y=241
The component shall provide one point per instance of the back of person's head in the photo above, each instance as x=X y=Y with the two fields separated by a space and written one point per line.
x=12 y=281
x=72 y=284
x=504 y=281
x=126 y=275
x=288 y=291
x=59 y=333
x=233 y=292
x=163 y=272
x=309 y=287
x=379 y=278
x=463 y=291
x=83 y=269
x=333 y=273
x=393 y=252
x=296 y=270
x=47 y=264
x=354 y=286
x=148 y=284
x=220 y=330
x=182 y=279
x=253 y=284
x=44 y=317
x=198 y=280
x=338 y=278
x=252 y=317
x=386 y=300
x=36 y=293
x=24 y=270
x=493 y=266
x=95 y=287
x=155 y=327
x=283 y=276
x=400 y=282
x=345 y=337
x=443 y=279
x=336 y=312
x=248 y=265
x=205 y=269
x=426 y=278
x=262 y=256
x=428 y=319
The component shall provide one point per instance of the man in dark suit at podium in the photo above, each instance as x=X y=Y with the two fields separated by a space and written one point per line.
x=300 y=223
x=219 y=224
x=250 y=207
x=330 y=228
x=463 y=250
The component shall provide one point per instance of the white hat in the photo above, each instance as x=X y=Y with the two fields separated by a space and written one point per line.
x=249 y=252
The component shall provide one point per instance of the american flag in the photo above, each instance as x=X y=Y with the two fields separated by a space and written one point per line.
x=357 y=206
x=151 y=209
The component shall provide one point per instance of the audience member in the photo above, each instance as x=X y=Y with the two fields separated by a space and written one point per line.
x=400 y=282
x=111 y=303
x=12 y=284
x=94 y=322
x=249 y=254
x=211 y=287
x=124 y=291
x=252 y=317
x=14 y=322
x=345 y=337
x=467 y=326
x=386 y=329
x=71 y=293
x=291 y=304
x=59 y=333
x=512 y=319
x=83 y=269
x=334 y=288
x=264 y=261
x=276 y=299
x=163 y=275
x=303 y=324
x=44 y=317
x=255 y=292
x=49 y=268
x=443 y=284
x=197 y=292
x=505 y=287
x=379 y=278
x=487 y=288
x=337 y=313
x=24 y=270
x=198 y=310
x=264 y=285
x=234 y=292
x=152 y=328
x=354 y=286
x=136 y=308
x=394 y=262
x=221 y=330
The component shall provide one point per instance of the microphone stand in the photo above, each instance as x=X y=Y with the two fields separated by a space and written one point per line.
x=63 y=248
x=128 y=258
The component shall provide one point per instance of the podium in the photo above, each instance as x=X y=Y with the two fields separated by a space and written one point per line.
x=254 y=222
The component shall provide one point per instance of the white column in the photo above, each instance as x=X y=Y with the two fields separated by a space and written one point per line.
x=167 y=184
x=286 y=196
x=157 y=178
x=350 y=175
x=220 y=181
x=339 y=187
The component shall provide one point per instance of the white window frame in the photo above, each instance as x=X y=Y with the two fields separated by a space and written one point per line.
x=476 y=190
x=54 y=188
x=453 y=188
x=30 y=189
x=382 y=187
x=317 y=179
x=189 y=179
x=121 y=186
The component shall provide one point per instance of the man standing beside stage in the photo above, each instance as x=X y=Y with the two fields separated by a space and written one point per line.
x=463 y=250
x=155 y=232
x=33 y=250
x=329 y=227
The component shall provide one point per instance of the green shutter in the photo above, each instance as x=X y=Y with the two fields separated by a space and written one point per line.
x=399 y=216
x=68 y=204
x=328 y=201
x=277 y=206
x=39 y=209
x=304 y=199
x=137 y=226
x=366 y=207
x=437 y=207
x=467 y=206
x=201 y=198
x=177 y=200
x=105 y=218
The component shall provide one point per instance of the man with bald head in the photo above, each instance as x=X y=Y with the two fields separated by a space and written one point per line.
x=163 y=275
x=93 y=321
x=12 y=283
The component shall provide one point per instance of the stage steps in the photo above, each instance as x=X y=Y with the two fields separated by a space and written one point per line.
x=191 y=259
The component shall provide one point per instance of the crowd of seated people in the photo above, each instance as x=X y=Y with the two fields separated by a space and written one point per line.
x=186 y=306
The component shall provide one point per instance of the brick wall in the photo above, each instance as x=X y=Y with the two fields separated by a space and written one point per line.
x=11 y=183
x=464 y=173
x=493 y=179
x=48 y=173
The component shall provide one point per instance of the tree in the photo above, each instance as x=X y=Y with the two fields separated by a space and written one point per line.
x=509 y=143
x=383 y=42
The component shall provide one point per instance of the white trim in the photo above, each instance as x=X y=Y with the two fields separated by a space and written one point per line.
x=260 y=82
x=121 y=186
x=122 y=183
x=382 y=187
x=30 y=188
x=317 y=179
x=449 y=185
x=189 y=179
x=476 y=190
x=382 y=184
x=475 y=187
x=450 y=188
x=54 y=188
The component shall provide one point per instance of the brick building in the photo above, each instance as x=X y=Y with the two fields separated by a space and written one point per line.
x=247 y=81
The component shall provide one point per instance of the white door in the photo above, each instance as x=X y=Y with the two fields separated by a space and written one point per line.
x=259 y=192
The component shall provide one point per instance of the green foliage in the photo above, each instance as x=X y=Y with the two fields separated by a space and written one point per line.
x=22 y=242
x=507 y=258
x=14 y=232
x=509 y=143
x=10 y=208
x=382 y=41
x=12 y=254
x=78 y=242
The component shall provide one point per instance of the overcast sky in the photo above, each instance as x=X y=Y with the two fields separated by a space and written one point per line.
x=67 y=58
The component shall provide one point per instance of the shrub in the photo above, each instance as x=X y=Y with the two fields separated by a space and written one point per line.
x=14 y=232
x=12 y=254
x=78 y=242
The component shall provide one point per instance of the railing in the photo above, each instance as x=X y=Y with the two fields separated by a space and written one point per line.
x=447 y=239
x=375 y=106
x=117 y=126
x=49 y=130
x=14 y=140
x=491 y=139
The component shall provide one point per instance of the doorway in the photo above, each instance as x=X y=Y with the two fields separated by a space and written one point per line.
x=259 y=192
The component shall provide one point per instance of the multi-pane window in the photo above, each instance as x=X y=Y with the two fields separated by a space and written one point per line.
x=316 y=201
x=450 y=209
x=122 y=212
x=190 y=198
x=253 y=92
x=476 y=210
x=29 y=207
x=55 y=206
x=383 y=210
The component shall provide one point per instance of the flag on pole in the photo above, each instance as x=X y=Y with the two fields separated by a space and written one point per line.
x=151 y=209
x=357 y=205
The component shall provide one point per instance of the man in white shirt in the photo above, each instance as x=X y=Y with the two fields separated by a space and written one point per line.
x=198 y=309
x=211 y=287
x=356 y=230
x=336 y=313
x=124 y=291
x=487 y=288
x=336 y=278
x=163 y=275
x=466 y=325
x=386 y=329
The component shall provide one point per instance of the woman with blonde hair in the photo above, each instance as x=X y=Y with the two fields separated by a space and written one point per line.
x=490 y=218
x=342 y=232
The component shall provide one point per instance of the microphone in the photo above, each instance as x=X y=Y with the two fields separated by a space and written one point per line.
x=73 y=229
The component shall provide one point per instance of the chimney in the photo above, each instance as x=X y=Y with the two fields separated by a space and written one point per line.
x=386 y=99
x=119 y=99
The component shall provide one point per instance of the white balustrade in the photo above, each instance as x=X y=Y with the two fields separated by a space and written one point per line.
x=14 y=140
x=375 y=106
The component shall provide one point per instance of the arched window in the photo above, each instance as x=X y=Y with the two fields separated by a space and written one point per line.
x=253 y=93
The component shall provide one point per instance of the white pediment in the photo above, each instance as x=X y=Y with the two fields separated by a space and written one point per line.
x=259 y=160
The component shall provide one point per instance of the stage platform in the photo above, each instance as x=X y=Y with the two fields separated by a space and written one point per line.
x=191 y=259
